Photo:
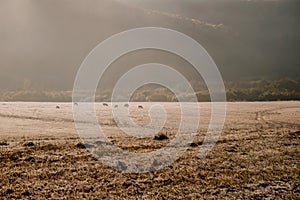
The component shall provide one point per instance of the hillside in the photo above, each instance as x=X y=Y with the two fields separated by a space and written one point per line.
x=48 y=40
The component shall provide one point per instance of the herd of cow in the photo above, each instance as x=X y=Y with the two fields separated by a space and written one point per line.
x=106 y=105
x=125 y=105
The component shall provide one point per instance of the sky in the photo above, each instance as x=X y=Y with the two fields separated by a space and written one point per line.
x=43 y=42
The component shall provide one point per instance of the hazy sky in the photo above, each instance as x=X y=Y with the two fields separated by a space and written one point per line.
x=44 y=41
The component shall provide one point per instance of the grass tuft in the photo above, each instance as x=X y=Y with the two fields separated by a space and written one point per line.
x=3 y=143
x=161 y=136
x=29 y=144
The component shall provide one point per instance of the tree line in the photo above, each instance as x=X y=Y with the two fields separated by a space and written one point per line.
x=255 y=90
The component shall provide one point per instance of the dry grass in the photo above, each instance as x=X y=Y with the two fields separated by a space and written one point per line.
x=266 y=167
x=257 y=161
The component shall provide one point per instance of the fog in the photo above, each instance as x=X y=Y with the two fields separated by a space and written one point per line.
x=43 y=43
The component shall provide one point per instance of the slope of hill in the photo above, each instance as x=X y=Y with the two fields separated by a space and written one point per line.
x=46 y=41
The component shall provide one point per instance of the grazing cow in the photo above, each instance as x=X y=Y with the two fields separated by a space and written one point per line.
x=57 y=107
x=140 y=107
x=126 y=105
x=105 y=104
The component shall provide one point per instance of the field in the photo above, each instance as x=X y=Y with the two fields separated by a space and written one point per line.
x=256 y=157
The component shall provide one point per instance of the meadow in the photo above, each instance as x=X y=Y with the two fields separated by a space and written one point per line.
x=256 y=157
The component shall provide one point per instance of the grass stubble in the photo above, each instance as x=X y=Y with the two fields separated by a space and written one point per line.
x=257 y=161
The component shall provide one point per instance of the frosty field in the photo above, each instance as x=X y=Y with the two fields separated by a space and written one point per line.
x=256 y=157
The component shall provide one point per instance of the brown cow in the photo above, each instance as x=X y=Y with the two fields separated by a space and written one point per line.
x=140 y=107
